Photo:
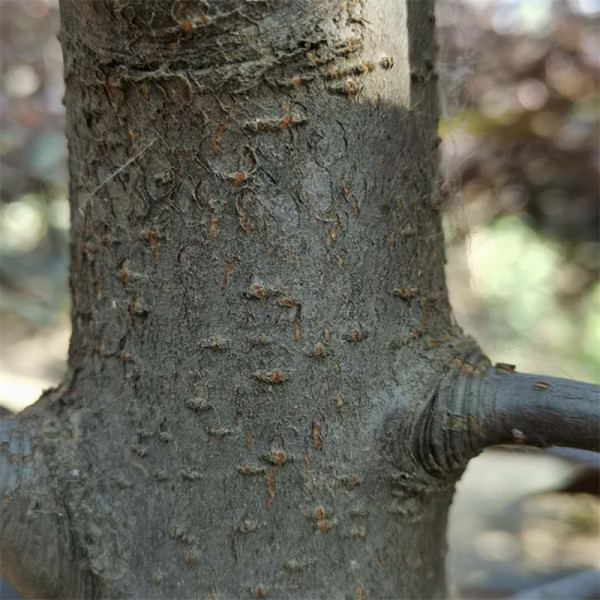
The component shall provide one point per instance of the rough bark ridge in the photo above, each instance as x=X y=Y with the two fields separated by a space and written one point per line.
x=260 y=319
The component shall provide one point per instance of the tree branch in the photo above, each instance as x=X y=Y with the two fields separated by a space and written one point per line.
x=477 y=406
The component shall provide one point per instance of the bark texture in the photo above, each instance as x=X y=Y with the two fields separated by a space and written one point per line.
x=257 y=276
x=260 y=319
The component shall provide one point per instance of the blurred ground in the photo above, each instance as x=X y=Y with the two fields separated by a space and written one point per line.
x=519 y=86
x=510 y=529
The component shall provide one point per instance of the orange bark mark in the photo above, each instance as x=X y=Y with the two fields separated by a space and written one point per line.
x=97 y=285
x=272 y=491
x=259 y=291
x=355 y=336
x=288 y=303
x=286 y=122
x=348 y=195
x=333 y=231
x=215 y=344
x=191 y=558
x=270 y=377
x=249 y=442
x=238 y=179
x=214 y=227
x=360 y=593
x=298 y=324
x=315 y=435
x=145 y=86
x=406 y=292
x=306 y=485
x=113 y=90
x=228 y=273
x=215 y=142
x=351 y=87
x=326 y=334
x=277 y=458
x=86 y=223
x=323 y=525
x=186 y=26
x=153 y=241
x=307 y=461
x=260 y=593
x=317 y=352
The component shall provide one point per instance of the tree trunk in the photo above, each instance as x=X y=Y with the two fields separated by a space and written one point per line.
x=260 y=319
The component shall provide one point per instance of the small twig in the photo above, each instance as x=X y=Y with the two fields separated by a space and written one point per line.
x=477 y=406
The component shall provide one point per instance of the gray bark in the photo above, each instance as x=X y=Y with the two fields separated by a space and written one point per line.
x=260 y=318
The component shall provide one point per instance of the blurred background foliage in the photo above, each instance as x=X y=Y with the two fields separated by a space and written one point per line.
x=34 y=212
x=519 y=87
x=520 y=103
